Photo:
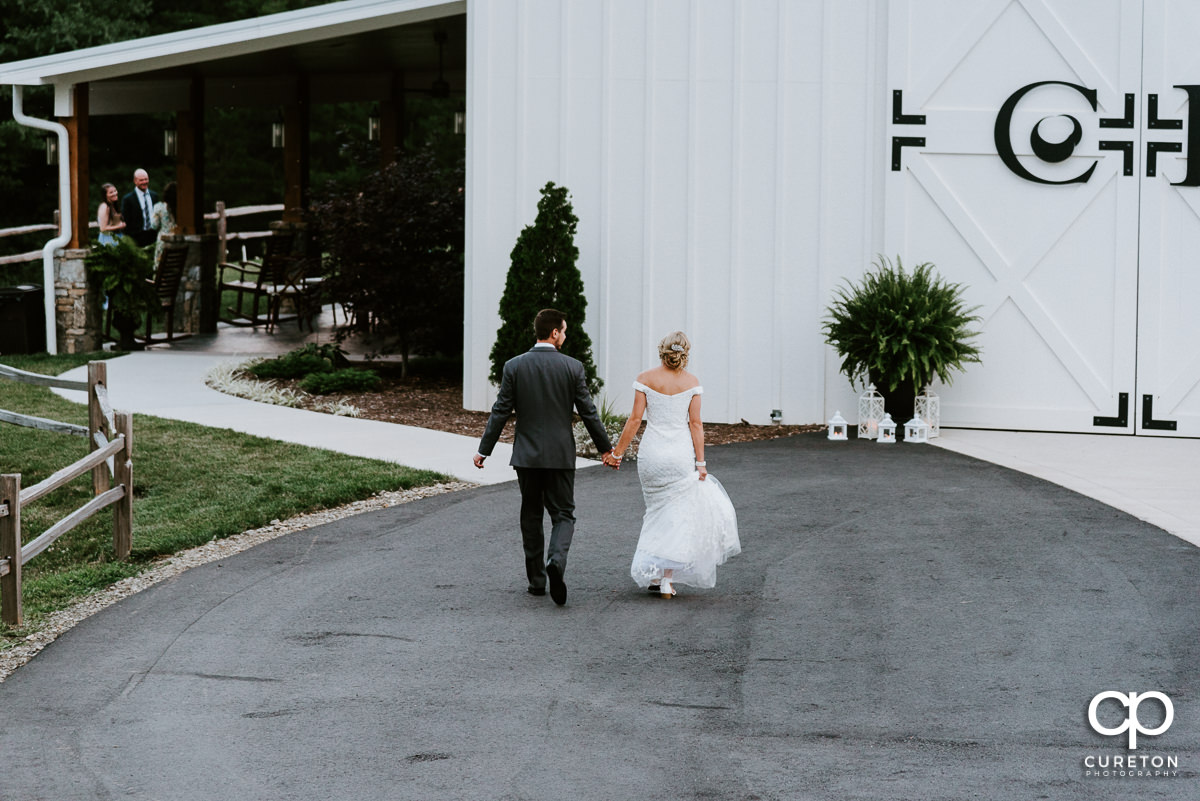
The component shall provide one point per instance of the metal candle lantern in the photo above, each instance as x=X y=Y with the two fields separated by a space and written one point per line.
x=916 y=430
x=928 y=407
x=870 y=412
x=838 y=427
x=887 y=429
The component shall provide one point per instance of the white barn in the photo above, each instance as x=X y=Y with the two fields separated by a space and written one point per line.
x=733 y=161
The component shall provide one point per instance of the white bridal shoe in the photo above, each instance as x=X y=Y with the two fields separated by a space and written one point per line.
x=665 y=589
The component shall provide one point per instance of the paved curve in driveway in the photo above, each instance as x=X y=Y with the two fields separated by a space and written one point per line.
x=905 y=623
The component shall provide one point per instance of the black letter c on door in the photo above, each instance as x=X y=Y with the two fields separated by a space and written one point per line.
x=1004 y=137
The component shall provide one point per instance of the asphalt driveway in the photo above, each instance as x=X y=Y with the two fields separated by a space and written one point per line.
x=904 y=623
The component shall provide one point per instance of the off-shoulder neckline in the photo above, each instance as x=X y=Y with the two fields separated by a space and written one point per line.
x=696 y=388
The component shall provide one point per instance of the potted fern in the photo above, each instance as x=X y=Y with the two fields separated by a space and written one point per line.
x=900 y=330
x=123 y=272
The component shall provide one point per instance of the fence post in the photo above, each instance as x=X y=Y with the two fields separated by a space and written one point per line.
x=97 y=374
x=222 y=228
x=123 y=474
x=10 y=549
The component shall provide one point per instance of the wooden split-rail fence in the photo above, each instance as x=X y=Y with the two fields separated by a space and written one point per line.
x=110 y=440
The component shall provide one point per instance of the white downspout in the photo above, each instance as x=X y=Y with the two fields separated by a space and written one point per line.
x=64 y=213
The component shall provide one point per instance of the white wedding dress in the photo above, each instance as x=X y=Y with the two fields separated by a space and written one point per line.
x=690 y=526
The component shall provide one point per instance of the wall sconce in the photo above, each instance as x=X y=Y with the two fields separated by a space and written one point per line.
x=460 y=122
x=51 y=150
x=777 y=416
x=170 y=140
x=373 y=125
x=277 y=133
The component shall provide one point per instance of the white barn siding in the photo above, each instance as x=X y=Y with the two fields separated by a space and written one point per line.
x=724 y=163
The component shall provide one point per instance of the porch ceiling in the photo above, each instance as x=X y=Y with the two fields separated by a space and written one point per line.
x=347 y=51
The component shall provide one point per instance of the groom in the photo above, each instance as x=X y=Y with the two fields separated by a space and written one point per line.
x=543 y=386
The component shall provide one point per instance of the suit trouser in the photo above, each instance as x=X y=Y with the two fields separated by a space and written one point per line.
x=553 y=491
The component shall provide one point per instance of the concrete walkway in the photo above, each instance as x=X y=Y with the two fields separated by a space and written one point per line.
x=171 y=385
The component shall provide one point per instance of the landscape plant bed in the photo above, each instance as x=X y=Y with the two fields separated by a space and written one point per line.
x=435 y=402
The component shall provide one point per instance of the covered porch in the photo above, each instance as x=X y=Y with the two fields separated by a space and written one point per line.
x=381 y=54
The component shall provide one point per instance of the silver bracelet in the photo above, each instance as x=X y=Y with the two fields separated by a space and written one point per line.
x=701 y=464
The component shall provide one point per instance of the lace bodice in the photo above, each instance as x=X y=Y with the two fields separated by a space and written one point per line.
x=667 y=414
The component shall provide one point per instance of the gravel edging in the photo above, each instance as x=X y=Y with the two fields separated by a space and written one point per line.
x=171 y=566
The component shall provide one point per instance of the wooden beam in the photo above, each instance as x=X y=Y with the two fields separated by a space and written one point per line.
x=42 y=424
x=295 y=154
x=10 y=549
x=77 y=138
x=189 y=166
x=123 y=477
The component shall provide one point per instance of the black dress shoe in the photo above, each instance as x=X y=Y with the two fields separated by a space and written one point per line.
x=558 y=590
x=536 y=591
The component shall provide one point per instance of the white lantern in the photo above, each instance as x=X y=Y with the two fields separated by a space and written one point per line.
x=838 y=427
x=928 y=407
x=870 y=412
x=916 y=430
x=887 y=429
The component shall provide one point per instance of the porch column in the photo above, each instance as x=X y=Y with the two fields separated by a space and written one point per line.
x=295 y=154
x=392 y=123
x=189 y=165
x=77 y=137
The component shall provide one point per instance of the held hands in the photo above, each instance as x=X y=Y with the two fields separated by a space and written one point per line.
x=611 y=460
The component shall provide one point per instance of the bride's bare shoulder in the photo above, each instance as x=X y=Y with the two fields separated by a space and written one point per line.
x=646 y=377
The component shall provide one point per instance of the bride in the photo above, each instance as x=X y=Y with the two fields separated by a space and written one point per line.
x=690 y=526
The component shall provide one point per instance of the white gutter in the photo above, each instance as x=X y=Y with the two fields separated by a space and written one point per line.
x=64 y=213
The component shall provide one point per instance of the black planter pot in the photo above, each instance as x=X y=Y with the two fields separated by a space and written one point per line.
x=126 y=329
x=900 y=403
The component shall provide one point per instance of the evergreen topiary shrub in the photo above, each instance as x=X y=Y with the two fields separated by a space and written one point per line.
x=543 y=275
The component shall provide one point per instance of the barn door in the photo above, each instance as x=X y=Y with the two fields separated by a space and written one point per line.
x=1014 y=134
x=1168 y=360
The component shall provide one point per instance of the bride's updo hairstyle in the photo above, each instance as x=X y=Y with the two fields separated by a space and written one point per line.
x=674 y=349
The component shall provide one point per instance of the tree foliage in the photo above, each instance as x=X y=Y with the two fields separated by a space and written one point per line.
x=394 y=245
x=544 y=275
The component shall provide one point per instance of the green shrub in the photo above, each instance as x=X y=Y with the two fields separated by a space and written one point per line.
x=901 y=329
x=543 y=274
x=349 y=380
x=310 y=359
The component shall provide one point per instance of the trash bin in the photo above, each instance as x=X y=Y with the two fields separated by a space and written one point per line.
x=22 y=319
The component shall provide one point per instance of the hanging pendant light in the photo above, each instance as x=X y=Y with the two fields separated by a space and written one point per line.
x=440 y=87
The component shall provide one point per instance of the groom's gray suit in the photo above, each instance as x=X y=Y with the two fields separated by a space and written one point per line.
x=542 y=387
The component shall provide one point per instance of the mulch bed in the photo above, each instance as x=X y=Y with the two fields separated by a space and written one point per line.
x=436 y=402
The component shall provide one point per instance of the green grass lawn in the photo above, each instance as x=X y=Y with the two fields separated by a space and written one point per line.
x=191 y=484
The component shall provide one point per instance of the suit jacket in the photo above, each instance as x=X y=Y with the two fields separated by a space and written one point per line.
x=543 y=386
x=137 y=224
